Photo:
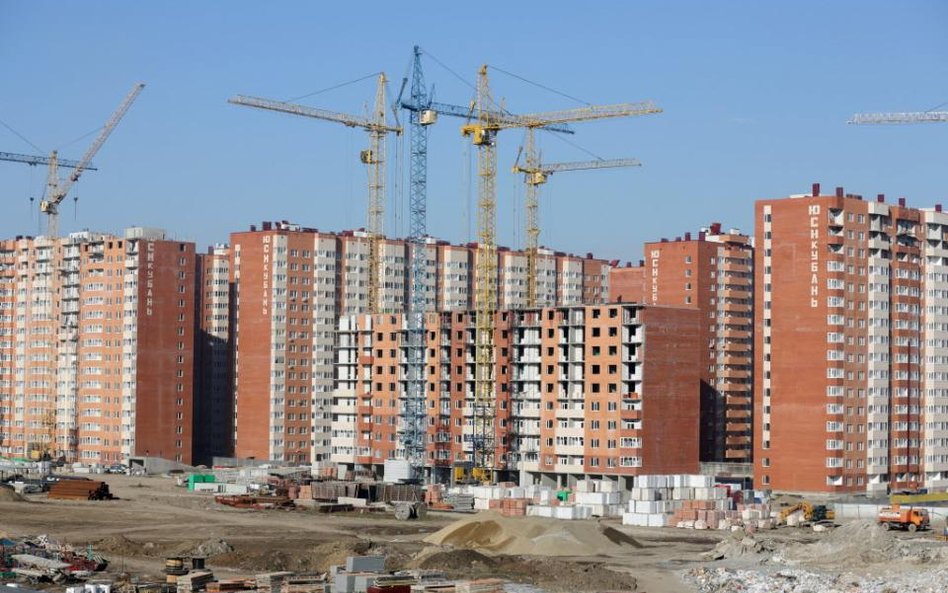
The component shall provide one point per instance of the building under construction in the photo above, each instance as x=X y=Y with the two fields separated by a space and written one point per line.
x=582 y=391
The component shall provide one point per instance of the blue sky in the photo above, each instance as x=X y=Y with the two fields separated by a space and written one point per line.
x=756 y=96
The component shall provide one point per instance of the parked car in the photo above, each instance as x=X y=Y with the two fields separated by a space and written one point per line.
x=116 y=468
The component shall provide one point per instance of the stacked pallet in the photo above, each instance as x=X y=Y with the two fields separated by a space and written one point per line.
x=80 y=490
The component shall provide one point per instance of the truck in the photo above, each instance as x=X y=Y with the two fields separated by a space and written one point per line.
x=899 y=517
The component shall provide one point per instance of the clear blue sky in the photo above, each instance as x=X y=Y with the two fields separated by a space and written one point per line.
x=756 y=96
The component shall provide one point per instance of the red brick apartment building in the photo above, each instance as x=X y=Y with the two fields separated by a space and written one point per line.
x=851 y=376
x=711 y=272
x=96 y=346
x=291 y=284
x=584 y=391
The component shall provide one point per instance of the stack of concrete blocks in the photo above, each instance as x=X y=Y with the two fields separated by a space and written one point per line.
x=657 y=501
x=359 y=573
x=757 y=516
x=196 y=580
x=602 y=497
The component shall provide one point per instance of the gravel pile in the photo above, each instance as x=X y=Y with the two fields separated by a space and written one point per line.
x=724 y=580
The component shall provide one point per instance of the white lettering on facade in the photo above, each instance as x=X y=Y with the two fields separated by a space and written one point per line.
x=149 y=278
x=814 y=213
x=655 y=255
x=266 y=275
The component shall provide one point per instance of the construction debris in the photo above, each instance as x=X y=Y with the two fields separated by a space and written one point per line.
x=727 y=580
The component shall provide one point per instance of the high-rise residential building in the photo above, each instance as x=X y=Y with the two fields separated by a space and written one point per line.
x=851 y=387
x=291 y=284
x=96 y=346
x=711 y=271
x=581 y=391
x=214 y=406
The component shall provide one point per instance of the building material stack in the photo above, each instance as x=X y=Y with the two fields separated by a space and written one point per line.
x=305 y=583
x=196 y=580
x=271 y=582
x=80 y=490
x=657 y=501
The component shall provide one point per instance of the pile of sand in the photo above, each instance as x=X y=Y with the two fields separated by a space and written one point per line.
x=854 y=544
x=532 y=536
x=8 y=495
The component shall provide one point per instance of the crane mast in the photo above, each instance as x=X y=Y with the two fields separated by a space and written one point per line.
x=56 y=190
x=483 y=133
x=374 y=158
x=414 y=412
x=536 y=174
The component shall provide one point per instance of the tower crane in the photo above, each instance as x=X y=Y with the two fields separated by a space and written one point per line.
x=536 y=174
x=34 y=159
x=483 y=132
x=56 y=188
x=423 y=112
x=907 y=117
x=414 y=416
x=373 y=157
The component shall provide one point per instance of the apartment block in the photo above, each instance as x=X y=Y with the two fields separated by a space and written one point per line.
x=711 y=271
x=582 y=391
x=291 y=285
x=214 y=408
x=851 y=327
x=96 y=346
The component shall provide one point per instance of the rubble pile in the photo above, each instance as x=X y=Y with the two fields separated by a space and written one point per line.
x=740 y=545
x=726 y=580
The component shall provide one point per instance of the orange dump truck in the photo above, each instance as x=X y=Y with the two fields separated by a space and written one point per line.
x=897 y=517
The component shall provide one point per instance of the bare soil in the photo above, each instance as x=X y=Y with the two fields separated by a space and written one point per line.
x=154 y=519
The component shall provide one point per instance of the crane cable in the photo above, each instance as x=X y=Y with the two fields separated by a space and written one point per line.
x=20 y=136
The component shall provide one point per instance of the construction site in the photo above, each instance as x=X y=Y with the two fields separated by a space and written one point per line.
x=296 y=409
x=157 y=535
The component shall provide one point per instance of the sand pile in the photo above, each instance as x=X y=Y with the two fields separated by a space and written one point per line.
x=854 y=544
x=8 y=495
x=532 y=536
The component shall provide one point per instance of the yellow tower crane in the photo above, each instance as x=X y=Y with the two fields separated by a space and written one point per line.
x=536 y=174
x=373 y=157
x=488 y=120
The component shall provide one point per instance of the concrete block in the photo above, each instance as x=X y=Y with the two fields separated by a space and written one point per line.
x=365 y=564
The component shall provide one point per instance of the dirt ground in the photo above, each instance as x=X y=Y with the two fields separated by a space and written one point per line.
x=154 y=518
